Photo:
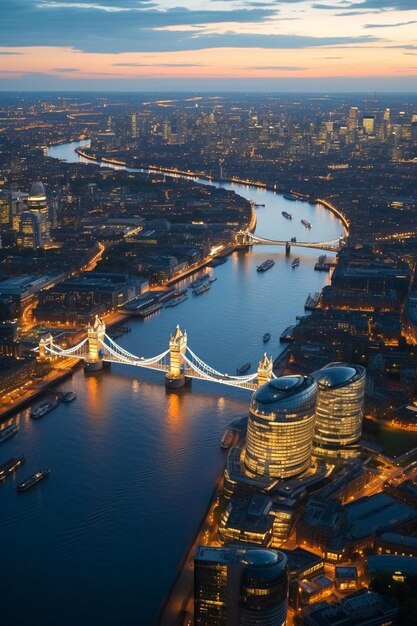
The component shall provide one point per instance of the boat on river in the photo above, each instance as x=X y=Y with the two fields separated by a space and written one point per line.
x=7 y=432
x=33 y=480
x=43 y=409
x=295 y=263
x=201 y=288
x=266 y=337
x=10 y=466
x=243 y=369
x=228 y=439
x=287 y=215
x=266 y=265
x=176 y=301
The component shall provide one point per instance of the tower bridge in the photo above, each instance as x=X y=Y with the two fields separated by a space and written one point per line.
x=178 y=362
x=247 y=238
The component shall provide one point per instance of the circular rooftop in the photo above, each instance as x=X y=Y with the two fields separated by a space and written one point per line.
x=278 y=388
x=37 y=190
x=261 y=557
x=336 y=375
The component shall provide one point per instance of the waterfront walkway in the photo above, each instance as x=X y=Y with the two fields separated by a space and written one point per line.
x=179 y=608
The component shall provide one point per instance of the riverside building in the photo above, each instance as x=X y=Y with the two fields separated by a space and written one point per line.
x=280 y=427
x=339 y=410
x=240 y=587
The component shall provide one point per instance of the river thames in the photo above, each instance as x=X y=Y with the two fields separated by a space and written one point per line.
x=132 y=467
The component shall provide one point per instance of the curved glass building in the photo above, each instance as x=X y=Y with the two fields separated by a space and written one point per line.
x=238 y=586
x=339 y=412
x=280 y=432
x=264 y=588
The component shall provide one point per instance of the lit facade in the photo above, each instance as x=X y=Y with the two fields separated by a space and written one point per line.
x=240 y=587
x=36 y=203
x=340 y=406
x=30 y=231
x=280 y=427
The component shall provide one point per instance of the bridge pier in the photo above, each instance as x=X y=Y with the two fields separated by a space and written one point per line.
x=287 y=249
x=175 y=377
x=95 y=333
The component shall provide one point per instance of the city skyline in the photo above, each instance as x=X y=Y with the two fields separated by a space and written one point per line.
x=132 y=45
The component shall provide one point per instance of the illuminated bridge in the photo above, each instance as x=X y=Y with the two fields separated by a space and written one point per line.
x=178 y=362
x=248 y=238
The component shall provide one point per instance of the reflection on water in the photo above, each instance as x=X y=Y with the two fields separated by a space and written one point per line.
x=132 y=466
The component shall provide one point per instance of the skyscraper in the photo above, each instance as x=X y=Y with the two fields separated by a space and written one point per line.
x=352 y=123
x=339 y=411
x=240 y=587
x=36 y=203
x=280 y=427
x=30 y=231
x=368 y=124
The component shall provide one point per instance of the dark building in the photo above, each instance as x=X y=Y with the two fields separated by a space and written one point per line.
x=363 y=608
x=240 y=587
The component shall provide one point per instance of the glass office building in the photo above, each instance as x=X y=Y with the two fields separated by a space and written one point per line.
x=280 y=432
x=240 y=587
x=340 y=406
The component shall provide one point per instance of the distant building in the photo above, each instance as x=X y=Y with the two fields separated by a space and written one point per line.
x=240 y=587
x=368 y=124
x=36 y=204
x=363 y=608
x=340 y=406
x=280 y=427
x=30 y=230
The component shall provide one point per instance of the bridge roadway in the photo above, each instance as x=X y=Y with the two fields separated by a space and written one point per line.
x=193 y=366
x=250 y=239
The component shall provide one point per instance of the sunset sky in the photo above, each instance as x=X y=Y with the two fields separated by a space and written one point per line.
x=323 y=45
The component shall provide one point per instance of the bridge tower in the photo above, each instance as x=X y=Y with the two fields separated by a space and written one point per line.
x=264 y=370
x=175 y=377
x=95 y=333
x=45 y=340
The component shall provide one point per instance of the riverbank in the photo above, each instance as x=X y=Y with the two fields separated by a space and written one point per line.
x=179 y=602
x=38 y=389
x=202 y=175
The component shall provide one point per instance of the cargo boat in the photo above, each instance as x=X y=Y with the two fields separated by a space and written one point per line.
x=289 y=196
x=8 y=432
x=266 y=337
x=201 y=288
x=243 y=369
x=295 y=263
x=266 y=265
x=31 y=481
x=10 y=466
x=43 y=409
x=287 y=216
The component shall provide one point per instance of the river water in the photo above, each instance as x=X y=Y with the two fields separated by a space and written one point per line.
x=132 y=467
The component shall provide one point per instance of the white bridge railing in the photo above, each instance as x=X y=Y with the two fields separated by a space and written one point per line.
x=194 y=366
x=334 y=245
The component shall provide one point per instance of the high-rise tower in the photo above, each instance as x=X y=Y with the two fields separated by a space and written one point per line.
x=240 y=587
x=339 y=411
x=279 y=439
x=36 y=203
